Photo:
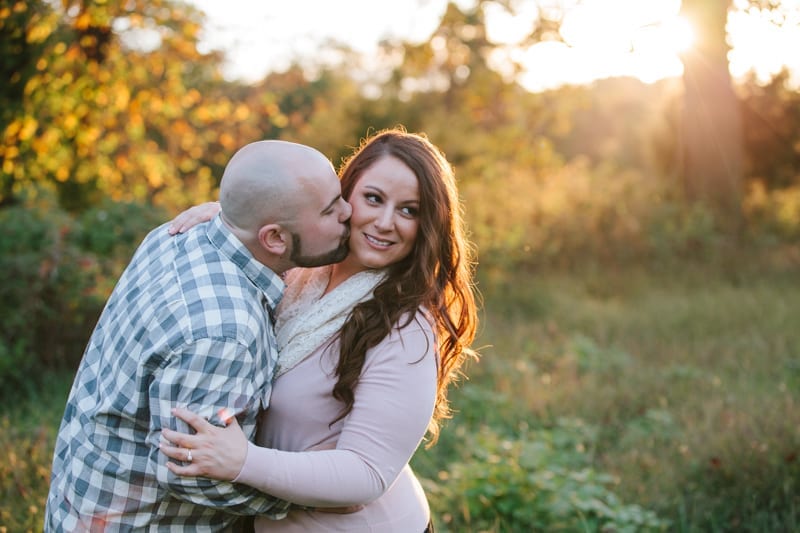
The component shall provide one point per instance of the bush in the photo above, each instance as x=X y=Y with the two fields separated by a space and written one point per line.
x=43 y=280
x=583 y=214
x=539 y=480
x=55 y=275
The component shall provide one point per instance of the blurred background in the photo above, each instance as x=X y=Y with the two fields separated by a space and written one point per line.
x=630 y=172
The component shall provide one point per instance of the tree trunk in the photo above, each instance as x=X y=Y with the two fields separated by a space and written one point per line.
x=712 y=127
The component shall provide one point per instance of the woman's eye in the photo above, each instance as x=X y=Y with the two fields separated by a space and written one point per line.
x=410 y=211
x=372 y=198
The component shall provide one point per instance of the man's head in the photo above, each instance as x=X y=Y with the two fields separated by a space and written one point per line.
x=284 y=202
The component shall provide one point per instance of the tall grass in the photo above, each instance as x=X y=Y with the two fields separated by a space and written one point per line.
x=690 y=374
x=28 y=427
x=606 y=399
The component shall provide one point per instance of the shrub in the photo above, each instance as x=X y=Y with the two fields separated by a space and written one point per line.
x=55 y=275
x=42 y=285
x=582 y=214
x=539 y=480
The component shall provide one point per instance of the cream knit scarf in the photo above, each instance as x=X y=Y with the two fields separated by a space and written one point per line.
x=306 y=318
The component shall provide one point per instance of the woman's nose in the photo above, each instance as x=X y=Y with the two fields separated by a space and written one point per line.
x=384 y=220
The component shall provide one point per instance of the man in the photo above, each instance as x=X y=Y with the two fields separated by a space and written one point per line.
x=189 y=323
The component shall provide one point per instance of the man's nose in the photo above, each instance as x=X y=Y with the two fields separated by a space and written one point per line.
x=347 y=210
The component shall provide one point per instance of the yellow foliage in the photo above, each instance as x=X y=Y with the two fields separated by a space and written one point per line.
x=12 y=129
x=204 y=114
x=191 y=98
x=88 y=41
x=187 y=165
x=83 y=21
x=188 y=140
x=242 y=112
x=122 y=96
x=32 y=85
x=122 y=162
x=101 y=98
x=788 y=206
x=29 y=125
x=45 y=142
x=40 y=31
x=227 y=141
x=70 y=123
x=10 y=152
x=62 y=174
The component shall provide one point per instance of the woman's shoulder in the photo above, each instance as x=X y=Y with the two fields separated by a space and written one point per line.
x=413 y=324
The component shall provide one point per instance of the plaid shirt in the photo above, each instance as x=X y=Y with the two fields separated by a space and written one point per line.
x=187 y=324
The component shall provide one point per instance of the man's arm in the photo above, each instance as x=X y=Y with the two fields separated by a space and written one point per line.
x=209 y=376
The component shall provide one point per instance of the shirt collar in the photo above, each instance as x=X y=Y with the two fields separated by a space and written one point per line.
x=231 y=247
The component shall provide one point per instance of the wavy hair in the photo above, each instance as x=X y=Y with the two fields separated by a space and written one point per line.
x=436 y=275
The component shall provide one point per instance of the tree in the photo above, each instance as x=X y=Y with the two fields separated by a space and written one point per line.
x=711 y=133
x=104 y=114
x=25 y=30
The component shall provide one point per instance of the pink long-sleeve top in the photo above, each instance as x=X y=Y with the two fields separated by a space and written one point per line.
x=394 y=402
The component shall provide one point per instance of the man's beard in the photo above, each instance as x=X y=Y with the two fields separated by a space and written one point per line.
x=334 y=256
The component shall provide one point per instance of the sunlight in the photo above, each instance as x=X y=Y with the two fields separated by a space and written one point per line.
x=763 y=47
x=601 y=39
x=679 y=33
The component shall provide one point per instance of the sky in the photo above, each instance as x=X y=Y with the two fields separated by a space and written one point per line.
x=641 y=38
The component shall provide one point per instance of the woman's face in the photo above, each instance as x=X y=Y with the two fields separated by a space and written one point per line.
x=385 y=219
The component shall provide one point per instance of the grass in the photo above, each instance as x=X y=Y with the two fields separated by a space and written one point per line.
x=27 y=436
x=691 y=376
x=682 y=384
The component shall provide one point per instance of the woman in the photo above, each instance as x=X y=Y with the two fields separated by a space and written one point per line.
x=368 y=348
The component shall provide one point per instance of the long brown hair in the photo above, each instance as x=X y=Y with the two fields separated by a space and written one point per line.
x=436 y=275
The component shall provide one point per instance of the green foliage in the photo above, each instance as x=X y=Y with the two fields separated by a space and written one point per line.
x=43 y=284
x=55 y=274
x=537 y=480
x=114 y=229
x=686 y=375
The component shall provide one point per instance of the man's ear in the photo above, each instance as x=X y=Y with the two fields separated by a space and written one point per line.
x=273 y=239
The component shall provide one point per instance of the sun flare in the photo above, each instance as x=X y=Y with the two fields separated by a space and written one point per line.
x=679 y=33
x=608 y=38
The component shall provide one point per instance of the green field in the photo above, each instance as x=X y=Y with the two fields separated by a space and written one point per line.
x=605 y=400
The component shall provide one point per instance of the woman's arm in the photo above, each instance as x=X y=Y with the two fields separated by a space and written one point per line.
x=393 y=405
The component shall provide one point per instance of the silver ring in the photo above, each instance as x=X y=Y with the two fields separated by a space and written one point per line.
x=188 y=455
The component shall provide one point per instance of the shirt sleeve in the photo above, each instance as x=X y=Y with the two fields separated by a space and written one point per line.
x=394 y=402
x=207 y=376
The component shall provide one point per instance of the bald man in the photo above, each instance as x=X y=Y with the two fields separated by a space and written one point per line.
x=189 y=324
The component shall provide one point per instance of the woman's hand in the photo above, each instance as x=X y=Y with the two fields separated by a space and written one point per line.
x=193 y=216
x=214 y=452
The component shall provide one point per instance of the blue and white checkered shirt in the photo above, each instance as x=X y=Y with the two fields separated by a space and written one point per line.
x=187 y=324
